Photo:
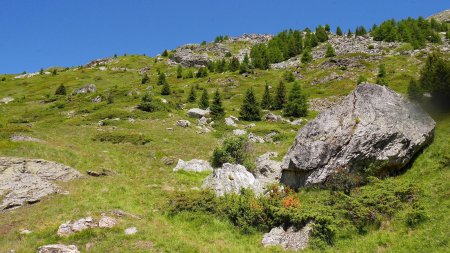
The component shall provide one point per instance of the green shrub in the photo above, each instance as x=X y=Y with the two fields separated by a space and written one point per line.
x=416 y=216
x=288 y=76
x=61 y=90
x=235 y=150
x=117 y=138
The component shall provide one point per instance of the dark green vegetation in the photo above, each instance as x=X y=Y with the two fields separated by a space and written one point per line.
x=408 y=212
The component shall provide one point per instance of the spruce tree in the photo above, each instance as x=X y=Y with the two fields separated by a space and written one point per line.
x=145 y=79
x=192 y=95
x=307 y=56
x=327 y=28
x=216 y=109
x=266 y=101
x=349 y=33
x=165 y=53
x=288 y=76
x=179 y=71
x=330 y=51
x=250 y=110
x=162 y=79
x=61 y=90
x=297 y=105
x=280 y=97
x=381 y=77
x=234 y=64
x=339 y=31
x=147 y=103
x=204 y=100
x=165 y=90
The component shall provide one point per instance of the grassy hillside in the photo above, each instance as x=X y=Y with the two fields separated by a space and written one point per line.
x=69 y=127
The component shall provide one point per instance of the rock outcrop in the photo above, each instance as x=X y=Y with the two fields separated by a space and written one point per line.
x=194 y=165
x=267 y=170
x=372 y=127
x=188 y=58
x=289 y=239
x=58 y=248
x=231 y=178
x=69 y=227
x=197 y=113
x=89 y=88
x=25 y=181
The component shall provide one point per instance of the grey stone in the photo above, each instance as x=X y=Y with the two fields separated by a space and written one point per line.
x=255 y=138
x=89 y=88
x=267 y=170
x=289 y=239
x=58 y=248
x=25 y=181
x=131 y=231
x=197 y=113
x=183 y=123
x=69 y=227
x=229 y=121
x=230 y=178
x=373 y=126
x=194 y=165
x=19 y=138
x=6 y=100
x=239 y=132
x=106 y=222
x=97 y=99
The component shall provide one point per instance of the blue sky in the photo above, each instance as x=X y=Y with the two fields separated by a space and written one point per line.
x=40 y=34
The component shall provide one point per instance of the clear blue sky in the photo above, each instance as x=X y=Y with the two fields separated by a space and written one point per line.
x=39 y=34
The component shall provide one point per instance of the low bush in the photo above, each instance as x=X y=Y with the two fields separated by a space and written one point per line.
x=235 y=150
x=117 y=138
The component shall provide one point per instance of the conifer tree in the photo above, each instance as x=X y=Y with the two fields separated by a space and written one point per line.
x=165 y=89
x=266 y=101
x=327 y=28
x=250 y=110
x=330 y=51
x=349 y=33
x=297 y=105
x=165 y=53
x=234 y=64
x=280 y=97
x=147 y=103
x=179 y=71
x=339 y=31
x=381 y=77
x=162 y=79
x=307 y=56
x=204 y=100
x=61 y=90
x=216 y=109
x=192 y=95
x=145 y=79
x=41 y=72
x=190 y=74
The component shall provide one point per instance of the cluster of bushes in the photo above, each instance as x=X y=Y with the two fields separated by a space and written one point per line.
x=414 y=31
x=434 y=79
x=117 y=138
x=235 y=150
x=361 y=211
x=149 y=104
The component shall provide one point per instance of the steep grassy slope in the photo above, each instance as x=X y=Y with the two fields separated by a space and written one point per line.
x=144 y=183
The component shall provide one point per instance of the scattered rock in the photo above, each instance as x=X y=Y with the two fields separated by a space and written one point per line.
x=69 y=228
x=322 y=104
x=131 y=231
x=188 y=58
x=106 y=222
x=202 y=121
x=6 y=100
x=194 y=165
x=99 y=62
x=183 y=123
x=239 y=132
x=373 y=126
x=231 y=121
x=273 y=117
x=25 y=232
x=58 y=248
x=89 y=88
x=104 y=172
x=251 y=125
x=332 y=77
x=255 y=138
x=267 y=170
x=121 y=213
x=269 y=137
x=230 y=178
x=197 y=113
x=296 y=122
x=289 y=239
x=97 y=99
x=19 y=138
x=25 y=181
x=168 y=160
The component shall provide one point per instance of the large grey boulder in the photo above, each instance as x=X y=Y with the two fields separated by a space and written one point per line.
x=25 y=181
x=373 y=126
x=194 y=165
x=58 y=248
x=290 y=238
x=231 y=178
x=188 y=58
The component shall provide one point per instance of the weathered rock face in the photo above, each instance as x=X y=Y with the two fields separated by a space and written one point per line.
x=230 y=178
x=58 y=248
x=291 y=238
x=85 y=89
x=69 y=227
x=267 y=170
x=188 y=58
x=194 y=165
x=25 y=181
x=373 y=126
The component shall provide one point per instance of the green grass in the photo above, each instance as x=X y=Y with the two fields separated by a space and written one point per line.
x=143 y=184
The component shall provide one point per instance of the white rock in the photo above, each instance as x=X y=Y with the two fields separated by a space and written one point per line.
x=239 y=132
x=197 y=113
x=194 y=165
x=106 y=222
x=58 y=248
x=183 y=123
x=131 y=231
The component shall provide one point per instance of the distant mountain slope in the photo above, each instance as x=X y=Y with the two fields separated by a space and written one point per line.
x=443 y=16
